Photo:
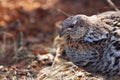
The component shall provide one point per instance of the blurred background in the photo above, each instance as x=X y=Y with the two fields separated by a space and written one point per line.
x=34 y=24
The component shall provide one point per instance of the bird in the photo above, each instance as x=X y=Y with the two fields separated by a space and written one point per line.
x=93 y=43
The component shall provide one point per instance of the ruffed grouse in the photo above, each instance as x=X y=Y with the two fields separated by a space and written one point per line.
x=93 y=43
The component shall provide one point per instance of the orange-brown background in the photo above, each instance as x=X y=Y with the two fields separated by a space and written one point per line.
x=37 y=18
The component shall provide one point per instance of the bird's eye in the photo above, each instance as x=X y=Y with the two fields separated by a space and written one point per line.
x=71 y=26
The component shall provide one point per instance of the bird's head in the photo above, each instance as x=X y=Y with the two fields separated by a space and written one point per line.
x=74 y=27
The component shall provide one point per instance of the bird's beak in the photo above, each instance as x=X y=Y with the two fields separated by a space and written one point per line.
x=61 y=32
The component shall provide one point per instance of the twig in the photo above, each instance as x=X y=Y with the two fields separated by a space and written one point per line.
x=63 y=12
x=113 y=5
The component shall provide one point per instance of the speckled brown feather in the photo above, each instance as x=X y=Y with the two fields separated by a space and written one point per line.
x=93 y=43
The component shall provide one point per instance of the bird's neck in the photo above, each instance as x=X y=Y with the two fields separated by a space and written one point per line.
x=85 y=55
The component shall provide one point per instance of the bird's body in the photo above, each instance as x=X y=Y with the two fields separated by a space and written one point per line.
x=93 y=43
